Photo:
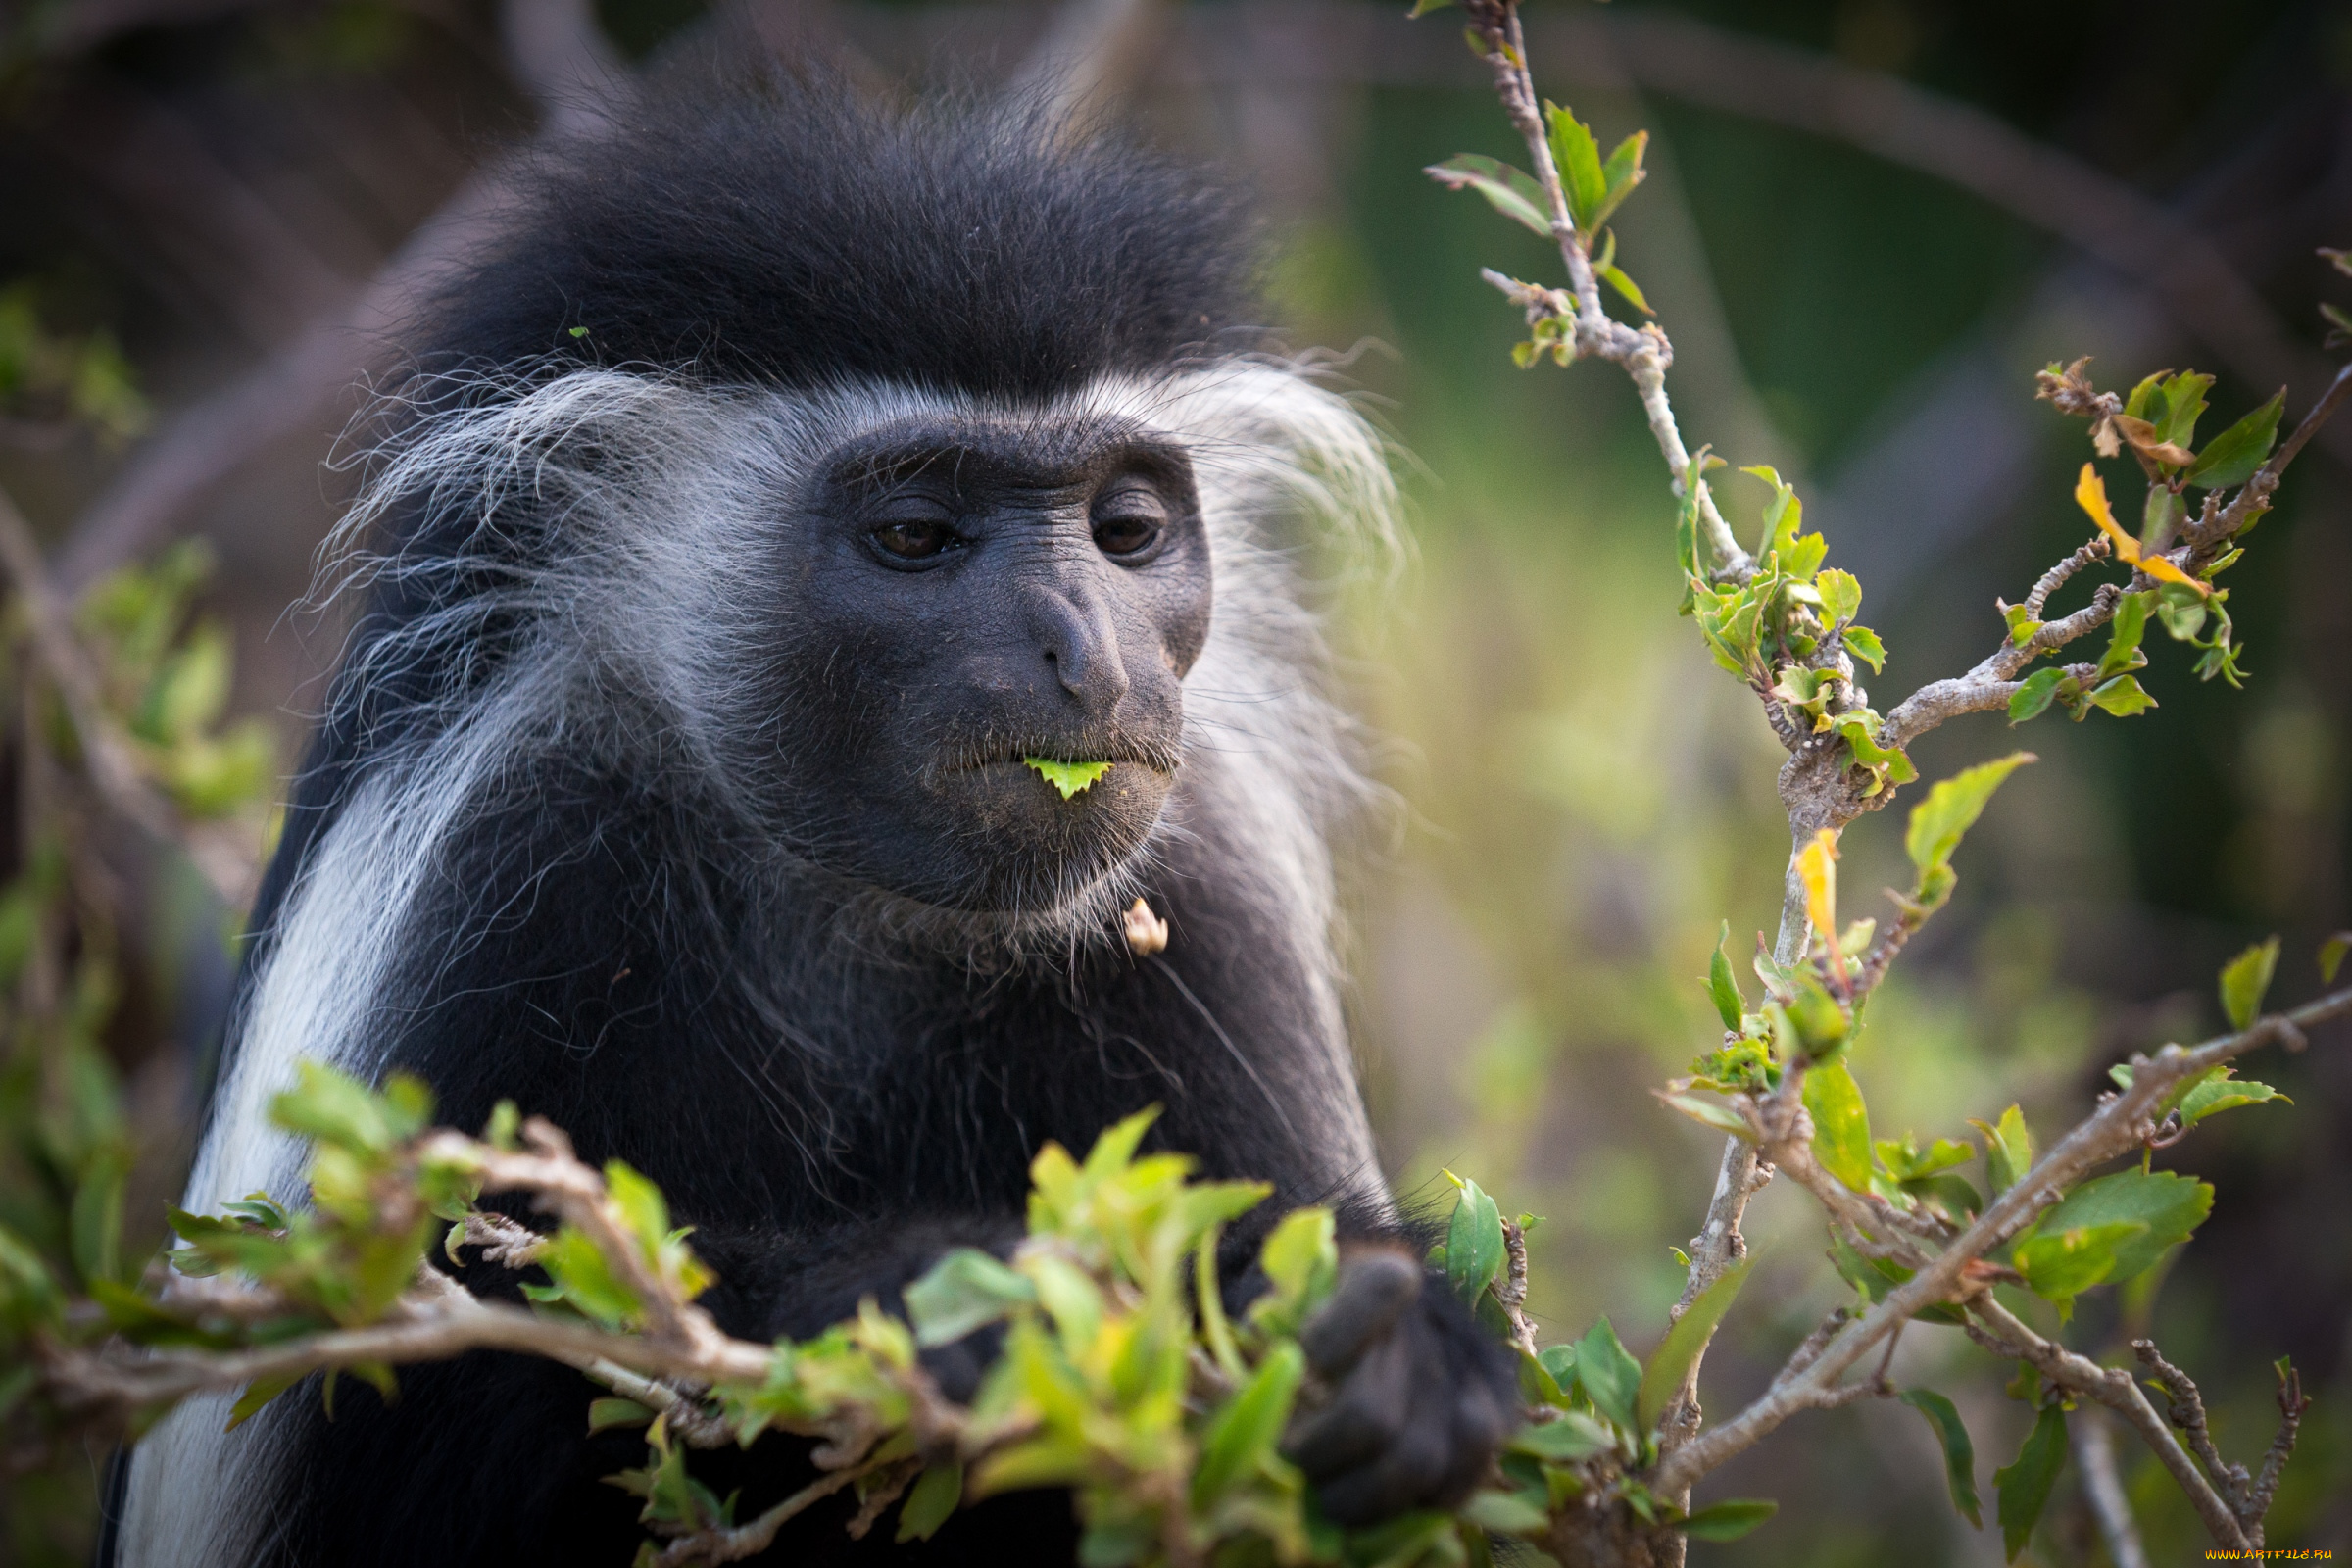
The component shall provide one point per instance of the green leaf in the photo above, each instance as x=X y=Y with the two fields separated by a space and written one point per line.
x=2171 y=1206
x=1610 y=1375
x=1959 y=1454
x=1710 y=1113
x=1906 y=1161
x=1730 y=1005
x=1474 y=1243
x=2025 y=1487
x=2245 y=979
x=940 y=1487
x=1243 y=1435
x=1510 y=191
x=2137 y=405
x=2184 y=402
x=2163 y=513
x=1680 y=1350
x=1841 y=594
x=1070 y=779
x=1840 y=1124
x=1939 y=822
x=337 y=1110
x=2181 y=609
x=2123 y=696
x=2126 y=629
x=95 y=1221
x=1864 y=644
x=1301 y=1254
x=961 y=1292
x=1615 y=276
x=257 y=1394
x=2033 y=695
x=1506 y=1514
x=2223 y=1093
x=1578 y=157
x=2331 y=956
x=1421 y=8
x=2231 y=456
x=2061 y=1264
x=1572 y=1437
x=1728 y=1520
x=615 y=1411
x=1622 y=173
x=2008 y=1150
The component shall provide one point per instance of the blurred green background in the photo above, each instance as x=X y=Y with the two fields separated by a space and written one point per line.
x=1871 y=221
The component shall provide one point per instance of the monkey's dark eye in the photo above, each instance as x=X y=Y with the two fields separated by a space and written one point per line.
x=914 y=539
x=1129 y=520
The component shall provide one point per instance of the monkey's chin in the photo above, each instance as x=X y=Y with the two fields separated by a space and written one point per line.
x=1017 y=846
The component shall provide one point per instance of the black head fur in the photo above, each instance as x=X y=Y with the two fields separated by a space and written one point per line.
x=808 y=235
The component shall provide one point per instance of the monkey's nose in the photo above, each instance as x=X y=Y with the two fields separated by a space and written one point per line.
x=1082 y=644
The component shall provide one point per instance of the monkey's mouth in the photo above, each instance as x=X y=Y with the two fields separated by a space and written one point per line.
x=1112 y=753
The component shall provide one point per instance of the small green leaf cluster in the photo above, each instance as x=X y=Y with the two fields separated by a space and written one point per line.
x=167 y=672
x=1779 y=631
x=1596 y=1412
x=65 y=1145
x=48 y=376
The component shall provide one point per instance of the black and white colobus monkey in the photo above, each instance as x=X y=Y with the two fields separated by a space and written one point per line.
x=789 y=473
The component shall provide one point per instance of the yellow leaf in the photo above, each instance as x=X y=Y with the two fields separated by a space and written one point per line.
x=2091 y=494
x=1816 y=869
x=2162 y=568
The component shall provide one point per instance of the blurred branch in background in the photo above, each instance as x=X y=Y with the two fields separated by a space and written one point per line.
x=560 y=57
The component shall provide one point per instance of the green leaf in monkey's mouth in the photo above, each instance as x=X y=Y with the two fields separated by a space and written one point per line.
x=1070 y=779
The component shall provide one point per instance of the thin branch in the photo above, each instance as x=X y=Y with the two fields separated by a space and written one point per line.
x=2119 y=1126
x=1713 y=1250
x=749 y=1540
x=1643 y=353
x=2104 y=1485
x=2185 y=1408
x=2292 y=1407
x=555 y=49
x=2115 y=1388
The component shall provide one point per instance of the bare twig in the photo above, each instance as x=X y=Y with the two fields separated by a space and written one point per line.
x=2186 y=1408
x=2292 y=1406
x=2094 y=1452
x=1713 y=1250
x=756 y=1536
x=1512 y=1291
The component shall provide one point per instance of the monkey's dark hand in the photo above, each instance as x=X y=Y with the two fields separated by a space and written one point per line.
x=1421 y=1398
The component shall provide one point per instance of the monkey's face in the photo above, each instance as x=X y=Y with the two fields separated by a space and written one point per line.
x=958 y=597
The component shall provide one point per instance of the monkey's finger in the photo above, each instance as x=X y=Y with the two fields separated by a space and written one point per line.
x=1407 y=1472
x=1362 y=1419
x=1375 y=1286
x=1480 y=1424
